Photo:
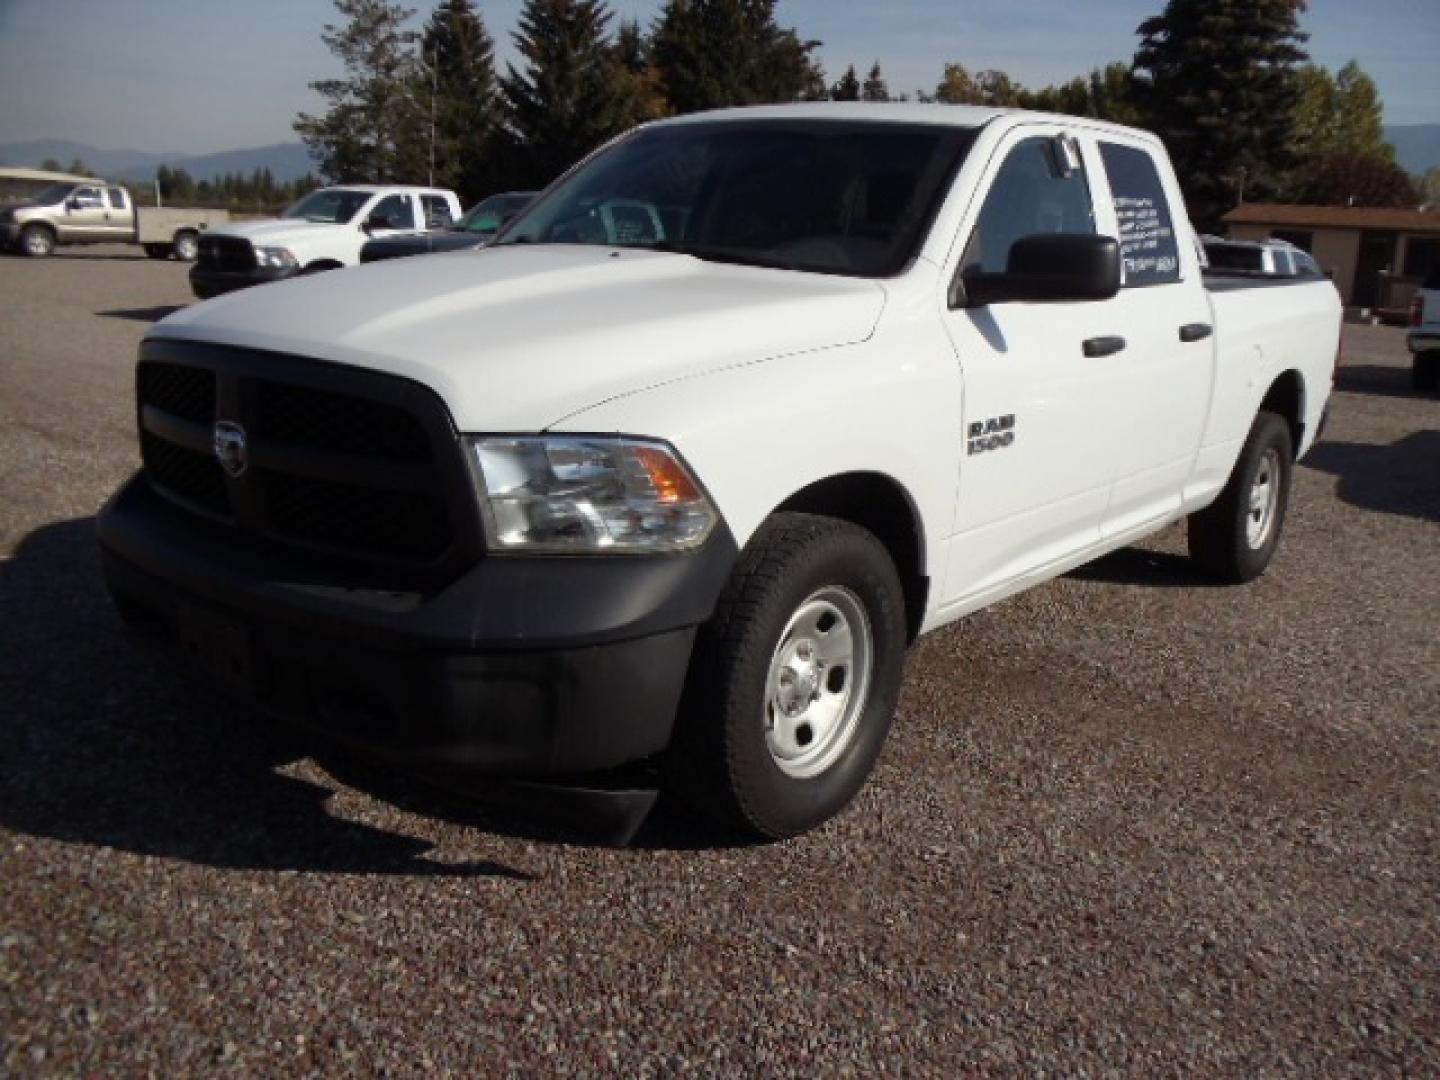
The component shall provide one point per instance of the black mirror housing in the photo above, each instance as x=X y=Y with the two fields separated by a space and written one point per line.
x=1048 y=268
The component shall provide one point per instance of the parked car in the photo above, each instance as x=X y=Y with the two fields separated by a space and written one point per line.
x=1423 y=339
x=762 y=395
x=1270 y=258
x=97 y=212
x=477 y=228
x=323 y=231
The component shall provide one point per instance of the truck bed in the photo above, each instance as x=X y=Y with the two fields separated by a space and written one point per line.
x=1234 y=280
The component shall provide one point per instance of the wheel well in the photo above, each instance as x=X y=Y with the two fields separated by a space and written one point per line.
x=323 y=264
x=1286 y=399
x=39 y=225
x=880 y=505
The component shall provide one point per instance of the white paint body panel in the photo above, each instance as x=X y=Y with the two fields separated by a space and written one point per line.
x=768 y=380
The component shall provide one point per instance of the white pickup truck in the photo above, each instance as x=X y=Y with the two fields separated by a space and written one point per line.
x=1424 y=336
x=323 y=231
x=97 y=212
x=674 y=471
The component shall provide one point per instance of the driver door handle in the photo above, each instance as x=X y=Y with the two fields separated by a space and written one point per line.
x=1195 y=331
x=1103 y=346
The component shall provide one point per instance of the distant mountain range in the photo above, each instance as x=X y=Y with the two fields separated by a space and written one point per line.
x=286 y=161
x=1417 y=146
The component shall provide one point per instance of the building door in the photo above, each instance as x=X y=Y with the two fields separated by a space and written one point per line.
x=1377 y=253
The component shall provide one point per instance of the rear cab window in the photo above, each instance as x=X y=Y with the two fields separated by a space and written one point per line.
x=1149 y=249
x=437 y=211
x=117 y=198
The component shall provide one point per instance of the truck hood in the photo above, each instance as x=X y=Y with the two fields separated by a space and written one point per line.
x=276 y=232
x=517 y=339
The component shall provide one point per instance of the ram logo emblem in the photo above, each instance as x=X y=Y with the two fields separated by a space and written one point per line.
x=230 y=447
x=994 y=434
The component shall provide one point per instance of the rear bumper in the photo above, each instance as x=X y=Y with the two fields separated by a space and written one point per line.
x=206 y=282
x=1423 y=341
x=520 y=667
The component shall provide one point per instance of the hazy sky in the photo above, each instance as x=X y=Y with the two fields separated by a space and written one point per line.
x=195 y=76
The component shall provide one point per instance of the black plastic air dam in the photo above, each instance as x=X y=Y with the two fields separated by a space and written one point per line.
x=520 y=667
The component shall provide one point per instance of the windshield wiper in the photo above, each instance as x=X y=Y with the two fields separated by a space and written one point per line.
x=709 y=253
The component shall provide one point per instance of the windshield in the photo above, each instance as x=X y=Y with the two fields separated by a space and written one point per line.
x=52 y=195
x=332 y=206
x=830 y=196
x=486 y=216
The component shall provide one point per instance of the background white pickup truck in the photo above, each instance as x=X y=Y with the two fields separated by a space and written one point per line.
x=323 y=231
x=670 y=475
x=96 y=212
x=1424 y=336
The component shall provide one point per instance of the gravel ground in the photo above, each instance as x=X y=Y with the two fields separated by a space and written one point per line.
x=1126 y=821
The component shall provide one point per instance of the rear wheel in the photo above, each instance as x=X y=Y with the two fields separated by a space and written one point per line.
x=794 y=680
x=1235 y=538
x=186 y=246
x=37 y=240
x=1425 y=375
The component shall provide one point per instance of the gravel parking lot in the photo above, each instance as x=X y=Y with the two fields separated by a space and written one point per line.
x=1127 y=821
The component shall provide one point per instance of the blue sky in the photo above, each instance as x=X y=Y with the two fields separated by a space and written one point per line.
x=195 y=76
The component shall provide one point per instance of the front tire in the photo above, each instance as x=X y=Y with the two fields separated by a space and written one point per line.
x=794 y=680
x=1235 y=538
x=37 y=241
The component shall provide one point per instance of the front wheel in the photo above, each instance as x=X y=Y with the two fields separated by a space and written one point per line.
x=794 y=680
x=37 y=241
x=1235 y=537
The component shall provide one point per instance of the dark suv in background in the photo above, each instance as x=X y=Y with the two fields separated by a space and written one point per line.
x=476 y=229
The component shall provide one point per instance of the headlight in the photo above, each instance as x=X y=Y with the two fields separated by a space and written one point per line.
x=279 y=258
x=578 y=495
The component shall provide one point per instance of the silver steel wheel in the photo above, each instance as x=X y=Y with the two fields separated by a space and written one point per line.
x=819 y=682
x=1263 y=501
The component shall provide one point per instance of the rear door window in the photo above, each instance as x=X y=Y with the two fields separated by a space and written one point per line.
x=437 y=212
x=397 y=210
x=117 y=198
x=1147 y=232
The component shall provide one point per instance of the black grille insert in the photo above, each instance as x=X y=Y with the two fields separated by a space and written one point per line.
x=338 y=461
x=225 y=253
x=194 y=477
x=186 y=392
x=320 y=420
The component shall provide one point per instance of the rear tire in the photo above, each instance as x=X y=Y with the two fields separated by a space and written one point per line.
x=1425 y=374
x=186 y=246
x=37 y=241
x=1235 y=538
x=793 y=681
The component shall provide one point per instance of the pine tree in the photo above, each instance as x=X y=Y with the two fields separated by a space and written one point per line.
x=1219 y=78
x=459 y=86
x=875 y=88
x=567 y=101
x=848 y=88
x=371 y=130
x=714 y=53
x=637 y=79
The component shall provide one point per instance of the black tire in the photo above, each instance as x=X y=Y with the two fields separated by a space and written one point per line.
x=157 y=251
x=1425 y=374
x=720 y=760
x=37 y=241
x=1221 y=537
x=186 y=246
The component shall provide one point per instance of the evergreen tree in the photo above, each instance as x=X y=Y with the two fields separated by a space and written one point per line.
x=714 y=53
x=1219 y=78
x=567 y=101
x=638 y=80
x=371 y=130
x=875 y=88
x=459 y=86
x=848 y=88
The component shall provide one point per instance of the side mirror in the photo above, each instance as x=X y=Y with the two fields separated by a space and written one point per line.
x=1047 y=268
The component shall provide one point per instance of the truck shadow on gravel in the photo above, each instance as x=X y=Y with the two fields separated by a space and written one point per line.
x=103 y=744
x=1377 y=380
x=1152 y=569
x=147 y=314
x=1402 y=478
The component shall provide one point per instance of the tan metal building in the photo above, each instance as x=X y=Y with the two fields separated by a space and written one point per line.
x=1376 y=257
